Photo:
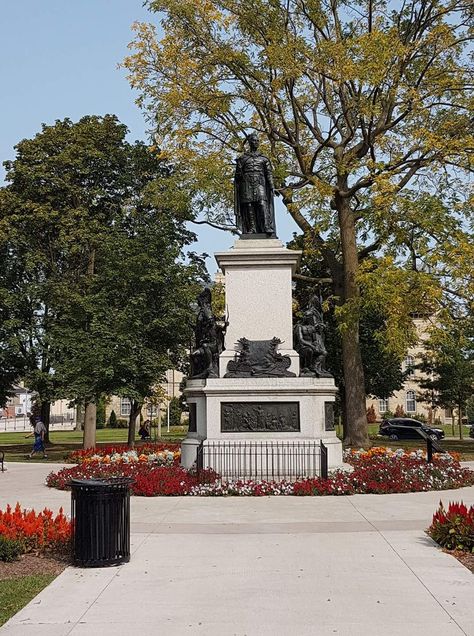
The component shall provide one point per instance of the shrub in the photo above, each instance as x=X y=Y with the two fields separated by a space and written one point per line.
x=420 y=417
x=453 y=528
x=113 y=420
x=371 y=415
x=117 y=423
x=399 y=411
x=387 y=415
x=10 y=549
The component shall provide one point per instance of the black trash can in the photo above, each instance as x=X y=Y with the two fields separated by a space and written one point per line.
x=100 y=511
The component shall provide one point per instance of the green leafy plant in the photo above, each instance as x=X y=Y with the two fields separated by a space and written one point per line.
x=10 y=549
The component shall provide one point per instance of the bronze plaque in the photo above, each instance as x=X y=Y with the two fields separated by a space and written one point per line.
x=260 y=417
x=192 y=418
x=329 y=416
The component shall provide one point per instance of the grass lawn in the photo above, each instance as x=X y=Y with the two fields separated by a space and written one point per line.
x=16 y=593
x=16 y=446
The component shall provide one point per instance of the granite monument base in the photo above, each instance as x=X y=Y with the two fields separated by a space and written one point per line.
x=296 y=410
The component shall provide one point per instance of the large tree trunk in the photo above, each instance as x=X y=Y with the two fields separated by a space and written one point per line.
x=79 y=417
x=132 y=422
x=355 y=422
x=90 y=415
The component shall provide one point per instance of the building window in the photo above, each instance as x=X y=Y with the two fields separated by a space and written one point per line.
x=152 y=410
x=125 y=406
x=411 y=402
x=383 y=406
x=409 y=366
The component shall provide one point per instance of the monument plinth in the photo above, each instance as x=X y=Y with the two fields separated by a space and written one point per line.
x=247 y=383
x=258 y=290
x=259 y=404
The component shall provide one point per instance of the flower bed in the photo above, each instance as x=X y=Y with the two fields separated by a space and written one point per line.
x=163 y=454
x=453 y=529
x=40 y=531
x=378 y=470
x=149 y=480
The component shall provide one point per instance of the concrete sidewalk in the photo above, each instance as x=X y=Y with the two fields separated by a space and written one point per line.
x=279 y=566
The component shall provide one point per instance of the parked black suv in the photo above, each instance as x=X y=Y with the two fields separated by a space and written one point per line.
x=406 y=428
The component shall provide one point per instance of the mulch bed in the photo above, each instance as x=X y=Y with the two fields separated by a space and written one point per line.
x=463 y=557
x=30 y=564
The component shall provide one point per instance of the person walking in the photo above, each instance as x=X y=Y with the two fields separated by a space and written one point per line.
x=39 y=432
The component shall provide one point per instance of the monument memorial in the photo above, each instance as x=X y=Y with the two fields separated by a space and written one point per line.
x=256 y=377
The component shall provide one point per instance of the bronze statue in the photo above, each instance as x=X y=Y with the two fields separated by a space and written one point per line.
x=253 y=190
x=209 y=334
x=309 y=341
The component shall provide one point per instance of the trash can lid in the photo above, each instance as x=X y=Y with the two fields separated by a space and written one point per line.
x=101 y=482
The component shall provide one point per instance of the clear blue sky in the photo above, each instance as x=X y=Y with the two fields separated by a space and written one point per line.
x=58 y=58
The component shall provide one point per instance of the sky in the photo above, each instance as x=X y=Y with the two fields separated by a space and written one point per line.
x=58 y=58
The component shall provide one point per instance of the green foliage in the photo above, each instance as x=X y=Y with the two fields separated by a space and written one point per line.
x=353 y=107
x=420 y=417
x=118 y=423
x=100 y=413
x=218 y=300
x=10 y=549
x=470 y=409
x=382 y=365
x=175 y=411
x=99 y=279
x=113 y=419
x=448 y=366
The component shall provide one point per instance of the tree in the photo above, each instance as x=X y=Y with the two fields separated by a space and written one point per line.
x=138 y=306
x=99 y=261
x=353 y=103
x=12 y=362
x=470 y=410
x=64 y=188
x=448 y=368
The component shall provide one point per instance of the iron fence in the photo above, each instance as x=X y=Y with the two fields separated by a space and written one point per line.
x=21 y=423
x=270 y=461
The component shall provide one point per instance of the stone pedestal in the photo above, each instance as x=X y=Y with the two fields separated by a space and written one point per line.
x=258 y=285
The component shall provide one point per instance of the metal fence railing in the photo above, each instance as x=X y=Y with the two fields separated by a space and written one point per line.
x=22 y=423
x=270 y=461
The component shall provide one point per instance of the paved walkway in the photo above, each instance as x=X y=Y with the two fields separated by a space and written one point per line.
x=281 y=566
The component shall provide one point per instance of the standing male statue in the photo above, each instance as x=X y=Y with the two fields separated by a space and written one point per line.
x=253 y=188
